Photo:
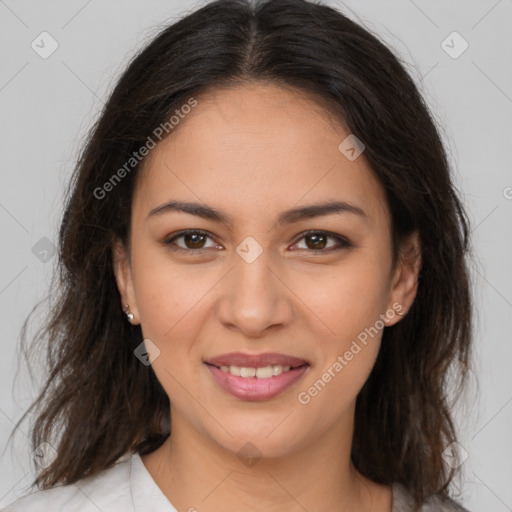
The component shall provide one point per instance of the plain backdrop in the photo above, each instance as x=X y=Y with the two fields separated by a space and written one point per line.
x=48 y=104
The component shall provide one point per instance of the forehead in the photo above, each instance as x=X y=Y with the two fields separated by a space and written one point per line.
x=256 y=148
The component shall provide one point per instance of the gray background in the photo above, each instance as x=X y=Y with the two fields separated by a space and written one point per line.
x=47 y=105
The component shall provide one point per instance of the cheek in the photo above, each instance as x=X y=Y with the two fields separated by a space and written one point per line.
x=169 y=296
x=171 y=302
x=345 y=305
x=329 y=396
x=344 y=362
x=345 y=299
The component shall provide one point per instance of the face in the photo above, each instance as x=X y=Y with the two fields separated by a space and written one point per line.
x=316 y=286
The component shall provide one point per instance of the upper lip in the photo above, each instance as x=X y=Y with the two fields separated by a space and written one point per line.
x=255 y=360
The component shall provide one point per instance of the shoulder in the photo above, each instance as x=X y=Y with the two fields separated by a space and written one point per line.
x=402 y=502
x=108 y=490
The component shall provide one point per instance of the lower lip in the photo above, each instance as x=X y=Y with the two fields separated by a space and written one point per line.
x=253 y=388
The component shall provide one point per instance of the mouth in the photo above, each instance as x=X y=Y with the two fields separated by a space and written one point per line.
x=256 y=377
x=262 y=360
x=260 y=372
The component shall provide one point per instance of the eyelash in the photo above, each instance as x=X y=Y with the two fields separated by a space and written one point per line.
x=343 y=243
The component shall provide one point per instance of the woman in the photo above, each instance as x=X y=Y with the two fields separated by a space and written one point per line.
x=263 y=280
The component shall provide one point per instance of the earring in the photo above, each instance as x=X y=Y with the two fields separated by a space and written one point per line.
x=127 y=312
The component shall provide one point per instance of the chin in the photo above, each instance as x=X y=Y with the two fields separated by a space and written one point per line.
x=263 y=439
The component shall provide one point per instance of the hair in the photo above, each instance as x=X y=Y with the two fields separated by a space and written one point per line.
x=103 y=399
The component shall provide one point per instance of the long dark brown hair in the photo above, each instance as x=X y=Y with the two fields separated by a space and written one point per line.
x=99 y=401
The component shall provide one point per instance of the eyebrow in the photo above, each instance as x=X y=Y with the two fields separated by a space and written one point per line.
x=285 y=217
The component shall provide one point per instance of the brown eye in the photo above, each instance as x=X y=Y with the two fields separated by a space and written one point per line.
x=317 y=241
x=192 y=240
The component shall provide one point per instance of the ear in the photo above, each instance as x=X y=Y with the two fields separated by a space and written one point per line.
x=124 y=279
x=404 y=285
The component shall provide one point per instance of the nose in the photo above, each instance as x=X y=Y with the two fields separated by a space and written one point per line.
x=255 y=298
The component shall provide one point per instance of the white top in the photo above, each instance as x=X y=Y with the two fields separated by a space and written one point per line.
x=125 y=487
x=129 y=487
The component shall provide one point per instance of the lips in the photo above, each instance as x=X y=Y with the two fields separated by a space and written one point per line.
x=255 y=360
x=254 y=388
x=275 y=373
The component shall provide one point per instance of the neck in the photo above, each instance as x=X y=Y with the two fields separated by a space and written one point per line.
x=196 y=473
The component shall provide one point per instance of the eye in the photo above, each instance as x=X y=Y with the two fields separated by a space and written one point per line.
x=317 y=241
x=193 y=239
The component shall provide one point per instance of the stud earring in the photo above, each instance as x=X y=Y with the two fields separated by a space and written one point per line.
x=127 y=312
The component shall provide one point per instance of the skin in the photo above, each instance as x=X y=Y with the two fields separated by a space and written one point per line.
x=254 y=151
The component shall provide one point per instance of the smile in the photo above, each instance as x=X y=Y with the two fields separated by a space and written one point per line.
x=264 y=372
x=262 y=383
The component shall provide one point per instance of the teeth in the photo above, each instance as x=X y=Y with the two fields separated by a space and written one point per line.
x=264 y=373
x=260 y=373
x=247 y=372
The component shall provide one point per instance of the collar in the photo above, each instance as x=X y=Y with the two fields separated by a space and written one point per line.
x=145 y=493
